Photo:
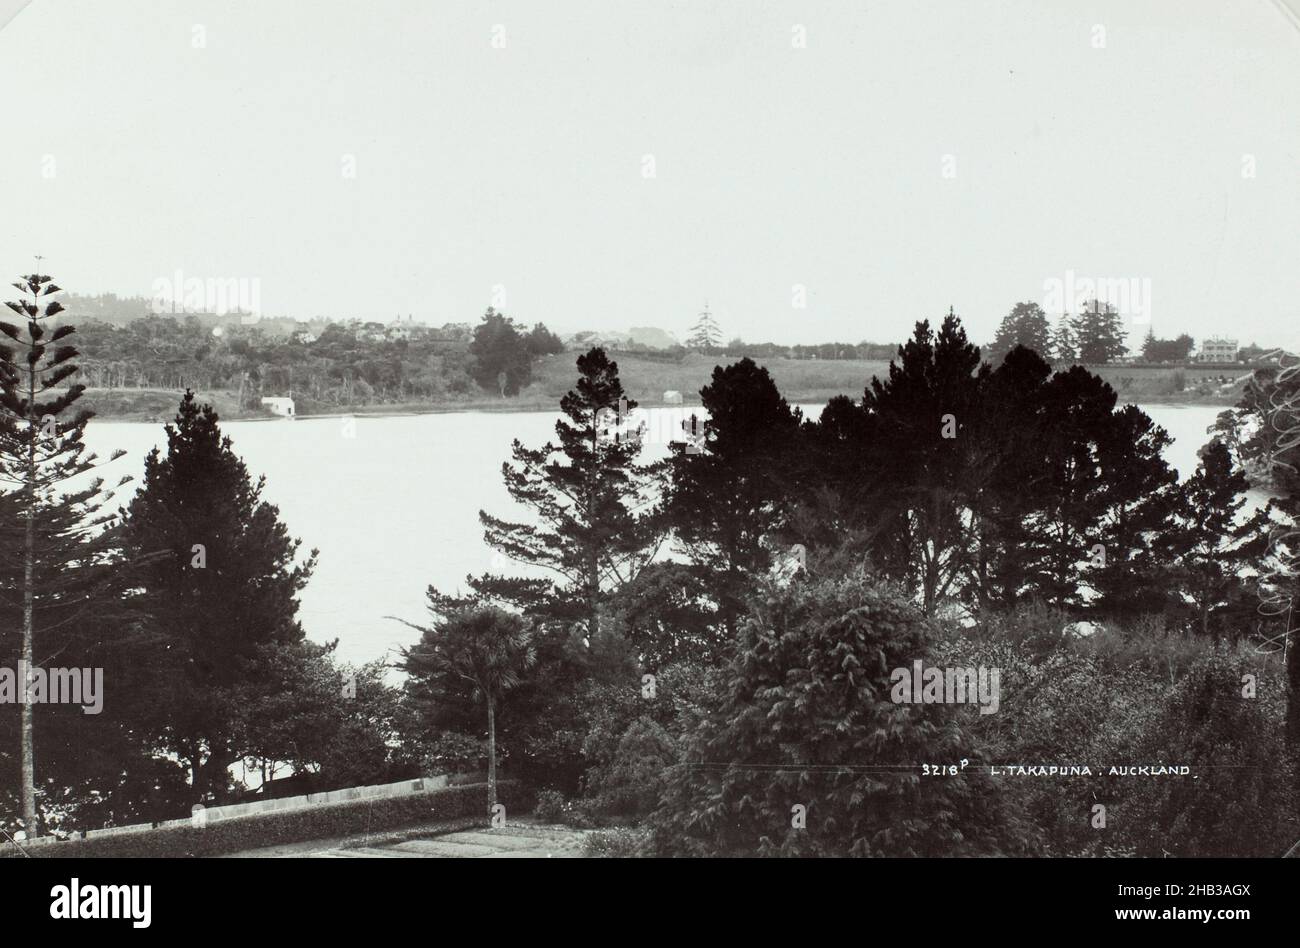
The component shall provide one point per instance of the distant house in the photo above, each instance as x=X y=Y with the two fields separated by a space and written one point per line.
x=370 y=332
x=672 y=397
x=1218 y=350
x=279 y=406
x=304 y=336
x=406 y=328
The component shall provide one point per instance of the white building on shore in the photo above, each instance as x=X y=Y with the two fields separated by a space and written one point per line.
x=279 y=406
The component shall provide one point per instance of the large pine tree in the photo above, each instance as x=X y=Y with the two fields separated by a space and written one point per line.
x=1099 y=330
x=1026 y=325
x=1089 y=497
x=220 y=589
x=1135 y=481
x=593 y=520
x=56 y=535
x=919 y=421
x=726 y=502
x=1209 y=545
x=705 y=334
x=1004 y=443
x=500 y=360
x=1065 y=346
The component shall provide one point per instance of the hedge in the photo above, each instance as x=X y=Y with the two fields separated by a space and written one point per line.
x=324 y=821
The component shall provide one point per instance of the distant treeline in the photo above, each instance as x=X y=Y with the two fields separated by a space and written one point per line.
x=355 y=363
x=345 y=365
x=870 y=351
x=1096 y=336
x=338 y=368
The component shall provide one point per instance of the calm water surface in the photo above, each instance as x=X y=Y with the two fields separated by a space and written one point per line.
x=395 y=508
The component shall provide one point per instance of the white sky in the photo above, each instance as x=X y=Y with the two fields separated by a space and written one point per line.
x=131 y=154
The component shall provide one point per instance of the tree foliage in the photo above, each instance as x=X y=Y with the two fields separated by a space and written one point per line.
x=220 y=589
x=1099 y=330
x=484 y=649
x=501 y=354
x=805 y=719
x=1026 y=325
x=1167 y=350
x=592 y=519
x=727 y=501
x=56 y=532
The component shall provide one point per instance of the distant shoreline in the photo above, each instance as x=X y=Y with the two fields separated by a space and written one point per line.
x=801 y=381
x=532 y=407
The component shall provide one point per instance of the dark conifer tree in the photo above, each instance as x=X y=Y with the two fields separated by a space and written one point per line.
x=917 y=424
x=836 y=459
x=1209 y=545
x=1063 y=528
x=1135 y=481
x=595 y=524
x=1100 y=334
x=1092 y=499
x=542 y=342
x=500 y=354
x=58 y=545
x=727 y=501
x=1026 y=325
x=1065 y=346
x=220 y=589
x=705 y=334
x=1151 y=347
x=1006 y=445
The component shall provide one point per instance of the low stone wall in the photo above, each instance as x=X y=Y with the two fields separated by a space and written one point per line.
x=379 y=791
x=244 y=827
x=215 y=814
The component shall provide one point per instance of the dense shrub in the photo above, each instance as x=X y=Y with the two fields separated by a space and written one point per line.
x=454 y=753
x=1037 y=627
x=580 y=814
x=550 y=806
x=1133 y=697
x=618 y=843
x=1060 y=708
x=631 y=783
x=1242 y=800
x=806 y=718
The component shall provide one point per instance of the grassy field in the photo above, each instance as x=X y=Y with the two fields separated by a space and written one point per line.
x=1190 y=385
x=799 y=380
x=804 y=381
x=152 y=404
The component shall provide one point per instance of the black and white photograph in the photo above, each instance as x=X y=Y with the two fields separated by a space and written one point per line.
x=693 y=430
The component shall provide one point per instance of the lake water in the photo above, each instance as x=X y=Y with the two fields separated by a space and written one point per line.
x=394 y=508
